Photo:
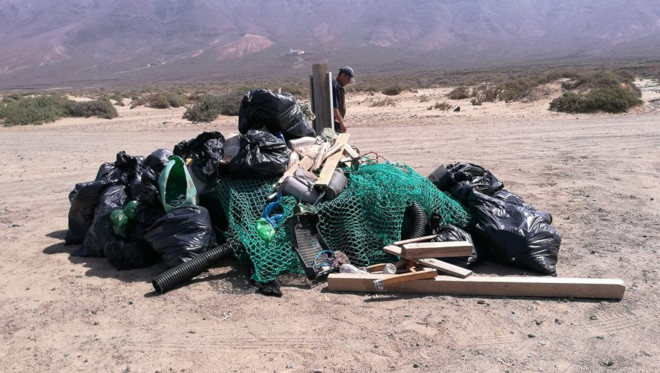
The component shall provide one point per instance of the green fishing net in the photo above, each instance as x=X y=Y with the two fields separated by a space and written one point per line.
x=368 y=214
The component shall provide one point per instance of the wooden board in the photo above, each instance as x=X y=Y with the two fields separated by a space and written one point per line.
x=413 y=240
x=332 y=161
x=305 y=164
x=444 y=267
x=448 y=249
x=505 y=286
x=388 y=280
x=439 y=265
x=320 y=157
x=351 y=152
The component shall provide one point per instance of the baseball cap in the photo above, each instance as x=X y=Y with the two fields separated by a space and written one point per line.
x=348 y=71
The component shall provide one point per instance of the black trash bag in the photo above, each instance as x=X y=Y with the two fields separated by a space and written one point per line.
x=278 y=113
x=181 y=234
x=512 y=234
x=515 y=199
x=113 y=198
x=123 y=254
x=262 y=154
x=84 y=198
x=206 y=151
x=158 y=159
x=474 y=177
x=448 y=233
x=126 y=170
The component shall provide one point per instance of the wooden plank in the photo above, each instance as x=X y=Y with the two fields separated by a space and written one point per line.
x=305 y=163
x=320 y=157
x=328 y=169
x=389 y=280
x=350 y=151
x=289 y=172
x=505 y=286
x=444 y=267
x=376 y=267
x=439 y=265
x=332 y=161
x=340 y=142
x=413 y=240
x=448 y=249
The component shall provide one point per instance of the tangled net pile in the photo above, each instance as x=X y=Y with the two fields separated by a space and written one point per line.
x=367 y=215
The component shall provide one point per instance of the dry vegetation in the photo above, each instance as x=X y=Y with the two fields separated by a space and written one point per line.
x=585 y=89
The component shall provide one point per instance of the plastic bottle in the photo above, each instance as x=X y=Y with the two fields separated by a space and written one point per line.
x=349 y=268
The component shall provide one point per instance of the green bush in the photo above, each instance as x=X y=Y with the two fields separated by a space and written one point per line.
x=12 y=97
x=617 y=99
x=208 y=107
x=161 y=101
x=392 y=91
x=459 y=93
x=35 y=110
x=99 y=108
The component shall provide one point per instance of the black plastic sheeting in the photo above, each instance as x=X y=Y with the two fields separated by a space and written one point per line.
x=276 y=112
x=504 y=227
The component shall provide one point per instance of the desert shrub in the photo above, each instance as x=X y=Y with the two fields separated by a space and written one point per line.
x=295 y=91
x=387 y=101
x=117 y=97
x=569 y=102
x=459 y=93
x=98 y=108
x=486 y=92
x=12 y=97
x=616 y=99
x=35 y=110
x=392 y=91
x=516 y=89
x=161 y=101
x=444 y=106
x=208 y=107
x=424 y=98
x=475 y=101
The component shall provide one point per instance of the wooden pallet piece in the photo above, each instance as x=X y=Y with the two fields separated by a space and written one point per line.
x=503 y=286
x=440 y=266
x=450 y=249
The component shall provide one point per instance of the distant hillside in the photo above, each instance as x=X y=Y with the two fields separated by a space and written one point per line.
x=78 y=42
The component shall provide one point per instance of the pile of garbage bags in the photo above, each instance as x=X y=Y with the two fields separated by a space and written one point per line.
x=141 y=210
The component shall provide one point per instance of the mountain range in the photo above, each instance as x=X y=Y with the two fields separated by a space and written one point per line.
x=54 y=43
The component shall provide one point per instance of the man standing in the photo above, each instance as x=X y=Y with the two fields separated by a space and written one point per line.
x=345 y=77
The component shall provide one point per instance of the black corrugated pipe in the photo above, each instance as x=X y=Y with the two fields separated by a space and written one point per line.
x=416 y=212
x=187 y=271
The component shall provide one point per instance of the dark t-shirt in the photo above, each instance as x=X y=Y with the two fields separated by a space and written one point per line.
x=339 y=97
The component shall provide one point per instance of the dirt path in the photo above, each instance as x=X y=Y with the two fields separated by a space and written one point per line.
x=599 y=176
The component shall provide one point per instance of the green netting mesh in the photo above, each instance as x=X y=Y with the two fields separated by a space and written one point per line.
x=366 y=216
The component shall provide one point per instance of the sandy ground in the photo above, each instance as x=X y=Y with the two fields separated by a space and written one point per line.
x=599 y=175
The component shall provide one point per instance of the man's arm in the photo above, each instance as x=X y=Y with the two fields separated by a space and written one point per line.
x=339 y=119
